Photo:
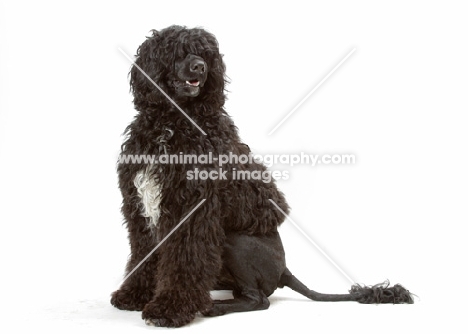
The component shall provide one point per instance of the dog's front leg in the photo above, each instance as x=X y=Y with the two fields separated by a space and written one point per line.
x=139 y=286
x=188 y=264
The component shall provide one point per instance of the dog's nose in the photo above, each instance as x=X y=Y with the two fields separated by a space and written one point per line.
x=198 y=66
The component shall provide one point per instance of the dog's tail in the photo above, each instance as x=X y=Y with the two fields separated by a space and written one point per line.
x=377 y=294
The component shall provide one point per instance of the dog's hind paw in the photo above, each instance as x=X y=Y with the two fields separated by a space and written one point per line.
x=215 y=311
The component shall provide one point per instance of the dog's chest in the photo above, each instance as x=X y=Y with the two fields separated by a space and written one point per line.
x=146 y=183
x=149 y=192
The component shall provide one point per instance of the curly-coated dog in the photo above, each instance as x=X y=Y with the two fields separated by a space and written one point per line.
x=230 y=241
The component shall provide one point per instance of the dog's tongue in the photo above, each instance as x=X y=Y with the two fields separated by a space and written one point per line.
x=193 y=83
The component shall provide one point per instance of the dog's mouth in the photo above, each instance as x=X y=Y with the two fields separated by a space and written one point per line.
x=190 y=75
x=189 y=87
x=193 y=83
x=188 y=83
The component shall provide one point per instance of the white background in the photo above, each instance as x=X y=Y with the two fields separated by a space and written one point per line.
x=399 y=103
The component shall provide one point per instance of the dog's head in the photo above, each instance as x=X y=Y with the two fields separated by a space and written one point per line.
x=184 y=63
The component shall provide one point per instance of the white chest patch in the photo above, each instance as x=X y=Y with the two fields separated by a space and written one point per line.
x=149 y=192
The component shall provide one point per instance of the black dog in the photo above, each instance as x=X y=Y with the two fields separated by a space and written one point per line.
x=230 y=241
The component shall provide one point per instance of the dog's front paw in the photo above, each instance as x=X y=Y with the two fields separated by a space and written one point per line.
x=130 y=300
x=155 y=315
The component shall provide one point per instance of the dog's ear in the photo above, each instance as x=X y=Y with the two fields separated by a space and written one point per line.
x=217 y=79
x=148 y=61
x=217 y=69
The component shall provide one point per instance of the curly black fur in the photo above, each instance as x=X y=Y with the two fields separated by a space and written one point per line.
x=381 y=294
x=230 y=241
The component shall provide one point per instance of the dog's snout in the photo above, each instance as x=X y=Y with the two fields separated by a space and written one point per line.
x=198 y=66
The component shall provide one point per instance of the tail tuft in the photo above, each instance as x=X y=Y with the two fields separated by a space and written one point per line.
x=381 y=294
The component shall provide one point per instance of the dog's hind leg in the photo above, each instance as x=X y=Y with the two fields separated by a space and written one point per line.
x=244 y=301
x=252 y=267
